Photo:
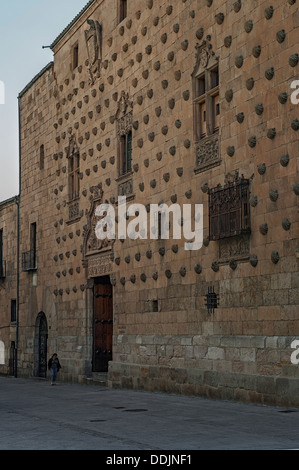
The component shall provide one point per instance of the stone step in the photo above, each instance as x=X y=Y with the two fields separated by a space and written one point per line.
x=97 y=378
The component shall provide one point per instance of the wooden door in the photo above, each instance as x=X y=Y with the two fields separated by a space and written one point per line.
x=103 y=326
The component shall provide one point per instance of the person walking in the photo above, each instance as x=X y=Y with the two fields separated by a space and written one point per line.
x=54 y=366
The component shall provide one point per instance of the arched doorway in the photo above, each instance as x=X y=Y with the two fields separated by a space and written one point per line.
x=40 y=346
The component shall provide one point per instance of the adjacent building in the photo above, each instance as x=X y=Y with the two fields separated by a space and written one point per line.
x=179 y=103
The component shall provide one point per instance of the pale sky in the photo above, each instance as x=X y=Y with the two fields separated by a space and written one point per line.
x=25 y=26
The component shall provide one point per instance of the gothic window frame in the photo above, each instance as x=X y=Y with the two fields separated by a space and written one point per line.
x=206 y=103
x=206 y=90
x=124 y=133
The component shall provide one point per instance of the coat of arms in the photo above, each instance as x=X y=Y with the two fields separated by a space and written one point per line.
x=93 y=39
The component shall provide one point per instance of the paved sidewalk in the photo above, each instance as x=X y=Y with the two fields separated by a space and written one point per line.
x=36 y=416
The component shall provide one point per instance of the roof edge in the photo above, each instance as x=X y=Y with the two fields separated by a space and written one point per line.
x=69 y=26
x=8 y=201
x=27 y=87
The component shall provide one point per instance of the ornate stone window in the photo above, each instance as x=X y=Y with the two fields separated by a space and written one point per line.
x=229 y=209
x=206 y=107
x=124 y=125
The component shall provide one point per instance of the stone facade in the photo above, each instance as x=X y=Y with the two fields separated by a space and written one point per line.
x=142 y=77
x=8 y=282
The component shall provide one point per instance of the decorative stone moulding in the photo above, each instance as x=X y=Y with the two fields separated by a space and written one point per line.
x=253 y=260
x=239 y=61
x=269 y=74
x=284 y=160
x=250 y=83
x=283 y=97
x=185 y=44
x=228 y=41
x=155 y=276
x=286 y=224
x=168 y=273
x=275 y=257
x=273 y=194
x=263 y=229
x=164 y=38
x=259 y=109
x=219 y=18
x=200 y=33
x=256 y=51
x=229 y=95
x=293 y=60
x=237 y=6
x=175 y=248
x=269 y=12
x=230 y=151
x=240 y=117
x=248 y=26
x=233 y=264
x=215 y=266
x=186 y=95
x=295 y=125
x=271 y=134
x=157 y=65
x=280 y=36
x=252 y=141
x=261 y=168
x=198 y=269
x=253 y=201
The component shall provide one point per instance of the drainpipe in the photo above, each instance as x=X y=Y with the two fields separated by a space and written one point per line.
x=17 y=200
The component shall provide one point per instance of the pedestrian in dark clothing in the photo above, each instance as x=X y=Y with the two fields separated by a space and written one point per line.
x=54 y=366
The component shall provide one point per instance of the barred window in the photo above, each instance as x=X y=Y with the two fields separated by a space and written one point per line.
x=229 y=210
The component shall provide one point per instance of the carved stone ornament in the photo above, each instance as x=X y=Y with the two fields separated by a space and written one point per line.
x=207 y=154
x=73 y=148
x=93 y=38
x=204 y=56
x=124 y=115
x=91 y=244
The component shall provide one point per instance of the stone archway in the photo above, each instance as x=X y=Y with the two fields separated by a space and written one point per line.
x=40 y=346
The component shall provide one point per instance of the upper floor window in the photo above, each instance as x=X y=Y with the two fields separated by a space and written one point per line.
x=123 y=10
x=126 y=153
x=74 y=176
x=42 y=157
x=206 y=106
x=124 y=116
x=75 y=58
x=206 y=103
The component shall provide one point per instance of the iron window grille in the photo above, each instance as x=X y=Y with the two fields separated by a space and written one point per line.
x=212 y=300
x=229 y=210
